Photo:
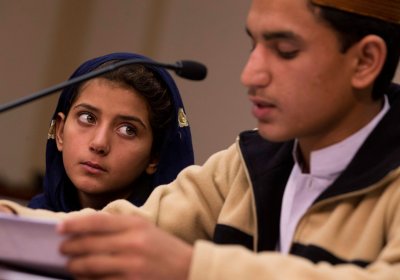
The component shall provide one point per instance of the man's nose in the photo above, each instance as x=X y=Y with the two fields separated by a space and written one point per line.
x=256 y=71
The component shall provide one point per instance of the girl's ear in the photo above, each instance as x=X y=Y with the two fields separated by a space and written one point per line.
x=152 y=167
x=371 y=53
x=60 y=122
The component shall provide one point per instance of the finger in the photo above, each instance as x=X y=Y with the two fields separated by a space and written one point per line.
x=5 y=209
x=107 y=277
x=104 y=243
x=94 y=223
x=84 y=224
x=90 y=244
x=101 y=266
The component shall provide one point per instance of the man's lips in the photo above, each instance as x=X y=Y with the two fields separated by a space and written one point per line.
x=262 y=109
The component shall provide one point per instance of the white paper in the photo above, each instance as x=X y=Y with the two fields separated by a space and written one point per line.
x=31 y=243
x=6 y=273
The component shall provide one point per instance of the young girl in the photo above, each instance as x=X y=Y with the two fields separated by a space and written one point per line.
x=115 y=136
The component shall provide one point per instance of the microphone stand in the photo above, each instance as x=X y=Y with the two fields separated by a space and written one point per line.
x=85 y=77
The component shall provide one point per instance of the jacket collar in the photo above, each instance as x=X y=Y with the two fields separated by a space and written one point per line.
x=269 y=165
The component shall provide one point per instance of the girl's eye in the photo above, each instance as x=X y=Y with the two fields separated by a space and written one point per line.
x=127 y=130
x=87 y=118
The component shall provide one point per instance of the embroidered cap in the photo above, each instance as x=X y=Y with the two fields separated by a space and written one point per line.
x=387 y=10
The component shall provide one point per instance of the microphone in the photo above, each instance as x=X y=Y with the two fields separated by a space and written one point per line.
x=187 y=69
x=190 y=69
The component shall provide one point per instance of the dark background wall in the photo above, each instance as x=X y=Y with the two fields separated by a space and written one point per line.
x=43 y=41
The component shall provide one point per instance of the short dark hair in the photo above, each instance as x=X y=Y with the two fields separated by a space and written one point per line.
x=351 y=28
x=150 y=86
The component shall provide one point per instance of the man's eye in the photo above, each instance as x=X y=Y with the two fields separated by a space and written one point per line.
x=87 y=118
x=288 y=54
x=286 y=49
x=252 y=46
x=127 y=130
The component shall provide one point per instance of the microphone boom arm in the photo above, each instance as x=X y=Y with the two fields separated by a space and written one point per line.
x=176 y=67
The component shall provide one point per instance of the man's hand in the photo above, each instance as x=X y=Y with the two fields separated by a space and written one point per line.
x=106 y=246
x=5 y=209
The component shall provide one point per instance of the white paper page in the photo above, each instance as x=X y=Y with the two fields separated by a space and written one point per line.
x=6 y=273
x=31 y=243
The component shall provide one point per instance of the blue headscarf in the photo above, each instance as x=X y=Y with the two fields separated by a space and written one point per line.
x=176 y=151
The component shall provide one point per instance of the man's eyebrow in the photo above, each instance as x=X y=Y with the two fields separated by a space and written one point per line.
x=279 y=35
x=122 y=117
x=273 y=35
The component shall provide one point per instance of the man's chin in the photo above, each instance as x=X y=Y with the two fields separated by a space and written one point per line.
x=269 y=135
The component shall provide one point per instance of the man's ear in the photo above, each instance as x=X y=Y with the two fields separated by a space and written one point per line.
x=371 y=53
x=152 y=166
x=60 y=122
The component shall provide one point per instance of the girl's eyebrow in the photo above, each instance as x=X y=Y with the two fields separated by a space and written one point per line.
x=122 y=117
x=132 y=118
x=86 y=106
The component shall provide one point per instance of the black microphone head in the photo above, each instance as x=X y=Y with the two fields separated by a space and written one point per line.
x=191 y=70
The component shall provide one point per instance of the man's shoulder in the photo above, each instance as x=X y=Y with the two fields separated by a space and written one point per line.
x=262 y=153
x=252 y=140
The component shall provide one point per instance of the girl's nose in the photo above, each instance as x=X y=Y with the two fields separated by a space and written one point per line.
x=100 y=143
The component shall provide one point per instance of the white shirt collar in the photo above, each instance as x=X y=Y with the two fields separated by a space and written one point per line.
x=332 y=160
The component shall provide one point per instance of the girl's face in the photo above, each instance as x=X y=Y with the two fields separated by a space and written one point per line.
x=106 y=141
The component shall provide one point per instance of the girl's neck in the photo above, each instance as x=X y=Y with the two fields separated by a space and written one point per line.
x=99 y=201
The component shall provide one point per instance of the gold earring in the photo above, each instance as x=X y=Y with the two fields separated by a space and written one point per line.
x=51 y=134
x=182 y=120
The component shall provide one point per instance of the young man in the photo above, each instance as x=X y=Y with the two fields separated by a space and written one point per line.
x=314 y=193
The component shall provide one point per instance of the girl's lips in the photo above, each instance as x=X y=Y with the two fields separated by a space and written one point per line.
x=92 y=167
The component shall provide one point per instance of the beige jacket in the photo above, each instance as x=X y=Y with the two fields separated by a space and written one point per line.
x=358 y=231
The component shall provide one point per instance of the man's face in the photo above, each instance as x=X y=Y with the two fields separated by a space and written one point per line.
x=299 y=82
